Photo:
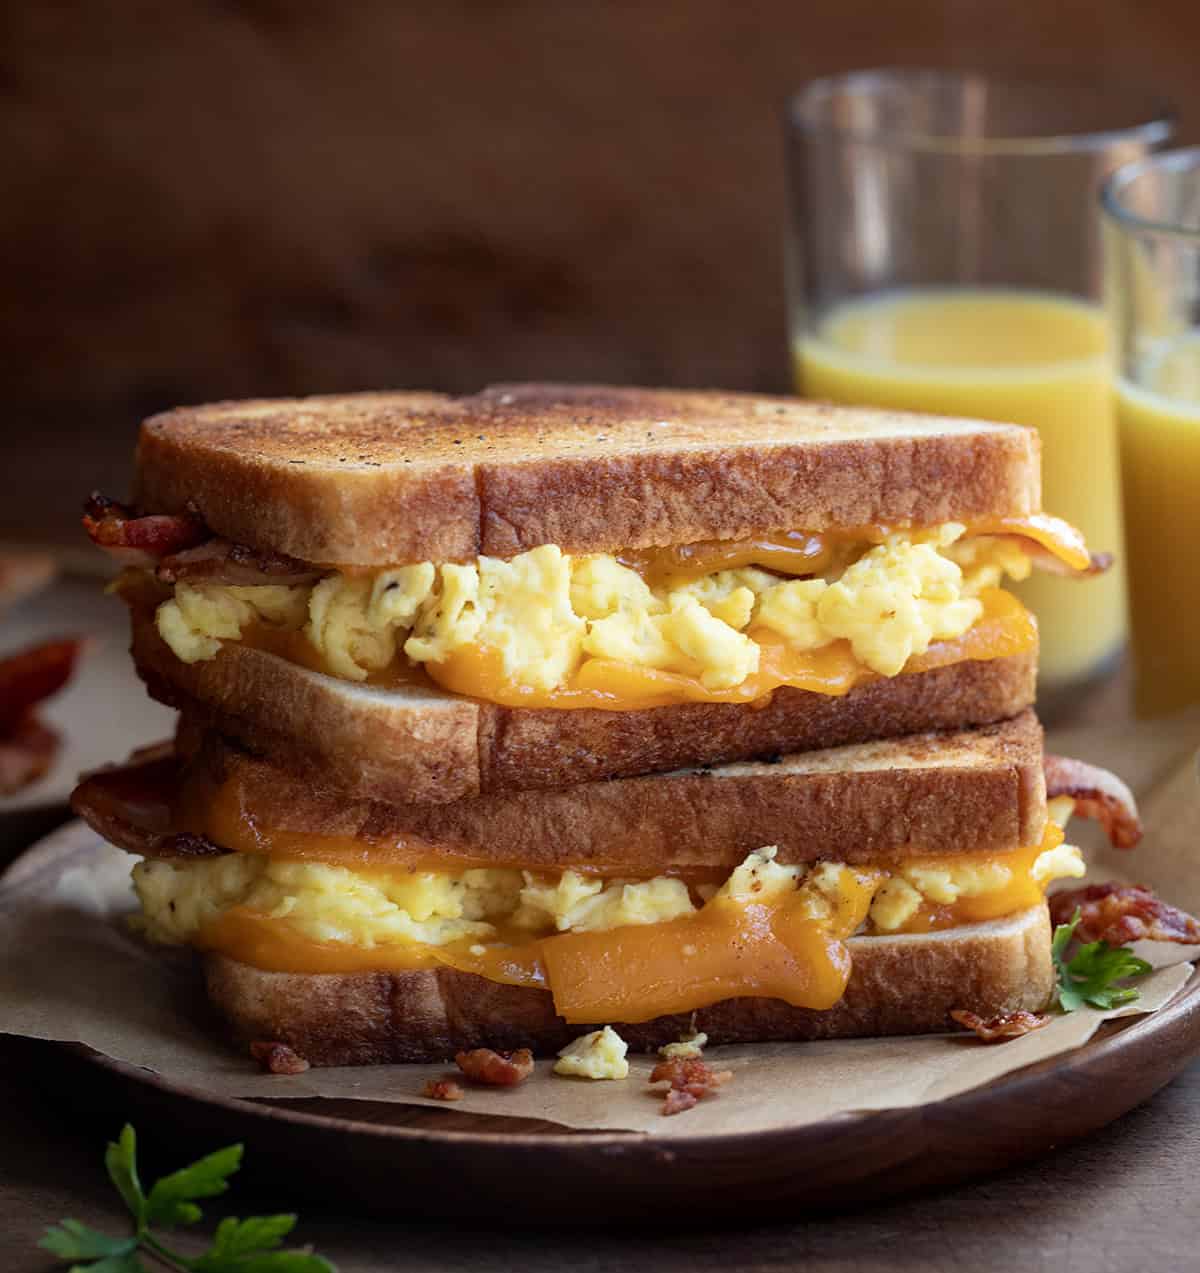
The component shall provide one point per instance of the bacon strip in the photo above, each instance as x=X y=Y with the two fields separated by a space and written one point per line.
x=1011 y=1025
x=26 y=754
x=130 y=805
x=1122 y=913
x=1045 y=560
x=1097 y=794
x=223 y=562
x=33 y=675
x=135 y=540
x=691 y=1080
x=278 y=1058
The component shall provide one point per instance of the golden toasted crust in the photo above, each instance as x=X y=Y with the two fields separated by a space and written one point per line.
x=378 y=479
x=898 y=985
x=976 y=791
x=427 y=746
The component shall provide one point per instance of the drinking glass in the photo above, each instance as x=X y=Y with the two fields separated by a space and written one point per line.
x=1151 y=216
x=945 y=256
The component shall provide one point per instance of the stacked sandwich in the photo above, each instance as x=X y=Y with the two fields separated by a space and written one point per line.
x=507 y=718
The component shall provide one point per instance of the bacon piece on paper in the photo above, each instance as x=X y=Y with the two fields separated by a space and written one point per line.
x=496 y=1069
x=32 y=675
x=135 y=540
x=1122 y=913
x=278 y=1058
x=1010 y=1025
x=1097 y=794
x=442 y=1090
x=26 y=754
x=691 y=1080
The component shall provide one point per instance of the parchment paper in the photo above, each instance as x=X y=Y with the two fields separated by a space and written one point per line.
x=69 y=971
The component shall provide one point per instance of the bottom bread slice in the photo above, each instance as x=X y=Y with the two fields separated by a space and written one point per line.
x=903 y=984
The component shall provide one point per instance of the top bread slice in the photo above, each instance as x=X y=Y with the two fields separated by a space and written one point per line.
x=387 y=478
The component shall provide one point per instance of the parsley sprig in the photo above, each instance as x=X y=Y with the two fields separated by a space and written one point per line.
x=1092 y=974
x=238 y=1246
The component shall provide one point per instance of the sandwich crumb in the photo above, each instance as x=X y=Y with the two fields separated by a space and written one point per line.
x=598 y=1055
x=691 y=1081
x=442 y=1089
x=496 y=1069
x=690 y=1045
x=278 y=1058
x=1011 y=1025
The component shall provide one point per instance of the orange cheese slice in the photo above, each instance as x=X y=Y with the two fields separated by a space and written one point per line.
x=1005 y=628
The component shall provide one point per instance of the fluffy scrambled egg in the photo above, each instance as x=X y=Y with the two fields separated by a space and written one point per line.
x=599 y=1055
x=368 y=909
x=544 y=612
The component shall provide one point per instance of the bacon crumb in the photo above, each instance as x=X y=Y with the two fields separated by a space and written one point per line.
x=691 y=1080
x=496 y=1069
x=676 y=1101
x=278 y=1058
x=1010 y=1025
x=1122 y=913
x=442 y=1090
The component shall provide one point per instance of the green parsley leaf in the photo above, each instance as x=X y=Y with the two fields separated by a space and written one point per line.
x=120 y=1160
x=265 y=1262
x=1090 y=977
x=127 y=1262
x=70 y=1240
x=258 y=1233
x=170 y=1201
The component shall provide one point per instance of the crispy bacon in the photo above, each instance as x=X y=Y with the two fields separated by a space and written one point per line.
x=130 y=805
x=691 y=1080
x=496 y=1069
x=33 y=675
x=223 y=562
x=1010 y=1025
x=442 y=1090
x=1122 y=913
x=135 y=540
x=1049 y=562
x=1097 y=794
x=26 y=754
x=278 y=1058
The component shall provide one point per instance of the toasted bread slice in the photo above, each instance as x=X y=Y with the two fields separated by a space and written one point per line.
x=383 y=479
x=418 y=745
x=906 y=984
x=880 y=803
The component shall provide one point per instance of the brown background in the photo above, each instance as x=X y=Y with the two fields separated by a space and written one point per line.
x=221 y=199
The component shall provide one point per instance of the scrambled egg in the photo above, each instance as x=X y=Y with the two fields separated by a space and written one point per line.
x=544 y=612
x=599 y=1055
x=691 y=1045
x=378 y=908
x=901 y=895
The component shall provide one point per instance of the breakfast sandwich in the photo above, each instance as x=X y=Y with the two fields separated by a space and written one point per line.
x=872 y=889
x=420 y=599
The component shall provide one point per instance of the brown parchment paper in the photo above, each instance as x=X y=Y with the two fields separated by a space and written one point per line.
x=69 y=971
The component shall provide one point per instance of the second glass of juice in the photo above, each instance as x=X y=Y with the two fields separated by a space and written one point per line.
x=945 y=257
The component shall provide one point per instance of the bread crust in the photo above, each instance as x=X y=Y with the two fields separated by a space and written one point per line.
x=427 y=746
x=881 y=803
x=906 y=984
x=383 y=479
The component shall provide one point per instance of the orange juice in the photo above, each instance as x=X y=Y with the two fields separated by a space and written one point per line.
x=1160 y=458
x=999 y=354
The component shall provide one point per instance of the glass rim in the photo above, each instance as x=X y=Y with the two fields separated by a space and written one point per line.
x=1185 y=159
x=1157 y=124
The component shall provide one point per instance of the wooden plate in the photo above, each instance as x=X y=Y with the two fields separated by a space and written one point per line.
x=427 y=1161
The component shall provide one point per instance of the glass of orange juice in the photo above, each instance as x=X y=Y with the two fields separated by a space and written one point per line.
x=1152 y=231
x=945 y=256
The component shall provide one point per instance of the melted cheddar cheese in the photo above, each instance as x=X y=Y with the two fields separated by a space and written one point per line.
x=707 y=622
x=606 y=949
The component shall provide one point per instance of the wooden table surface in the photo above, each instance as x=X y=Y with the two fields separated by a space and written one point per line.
x=1121 y=1199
